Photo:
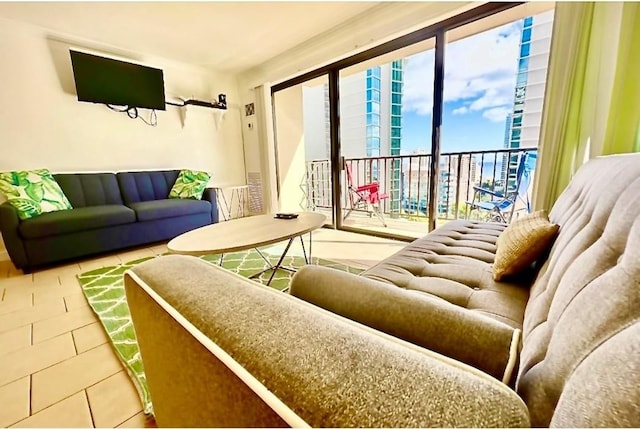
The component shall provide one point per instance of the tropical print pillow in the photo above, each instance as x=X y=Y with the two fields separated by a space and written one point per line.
x=33 y=192
x=190 y=184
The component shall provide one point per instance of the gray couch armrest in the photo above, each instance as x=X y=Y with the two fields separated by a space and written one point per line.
x=9 y=223
x=427 y=321
x=210 y=195
x=220 y=350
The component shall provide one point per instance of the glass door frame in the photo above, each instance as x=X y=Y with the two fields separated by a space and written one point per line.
x=437 y=31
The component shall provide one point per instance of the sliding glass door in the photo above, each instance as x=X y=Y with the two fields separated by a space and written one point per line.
x=394 y=140
x=385 y=143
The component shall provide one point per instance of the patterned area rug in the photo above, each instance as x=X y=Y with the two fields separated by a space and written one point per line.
x=104 y=289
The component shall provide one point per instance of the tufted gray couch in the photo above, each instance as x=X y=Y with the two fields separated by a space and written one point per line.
x=236 y=353
x=439 y=283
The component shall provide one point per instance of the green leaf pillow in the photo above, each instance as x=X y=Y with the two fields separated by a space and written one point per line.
x=190 y=184
x=33 y=192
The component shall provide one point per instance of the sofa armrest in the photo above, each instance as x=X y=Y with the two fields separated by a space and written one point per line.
x=9 y=223
x=210 y=195
x=220 y=350
x=419 y=318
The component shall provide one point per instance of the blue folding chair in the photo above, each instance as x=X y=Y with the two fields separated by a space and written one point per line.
x=501 y=207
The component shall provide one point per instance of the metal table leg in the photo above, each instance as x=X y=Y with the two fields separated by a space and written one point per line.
x=278 y=265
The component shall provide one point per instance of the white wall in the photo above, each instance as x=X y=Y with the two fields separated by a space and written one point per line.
x=289 y=123
x=42 y=125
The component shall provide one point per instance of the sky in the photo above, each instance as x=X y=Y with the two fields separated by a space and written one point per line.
x=479 y=82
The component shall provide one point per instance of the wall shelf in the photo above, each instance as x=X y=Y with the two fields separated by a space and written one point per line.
x=219 y=107
x=218 y=116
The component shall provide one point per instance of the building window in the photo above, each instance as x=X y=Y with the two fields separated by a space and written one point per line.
x=374 y=72
x=373 y=131
x=373 y=119
x=517 y=121
x=373 y=82
x=522 y=78
x=523 y=65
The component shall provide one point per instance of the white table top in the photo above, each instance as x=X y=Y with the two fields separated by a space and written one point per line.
x=243 y=233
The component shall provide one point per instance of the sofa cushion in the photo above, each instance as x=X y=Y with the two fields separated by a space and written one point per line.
x=33 y=192
x=90 y=189
x=190 y=184
x=453 y=262
x=79 y=219
x=137 y=186
x=161 y=209
x=419 y=318
x=522 y=243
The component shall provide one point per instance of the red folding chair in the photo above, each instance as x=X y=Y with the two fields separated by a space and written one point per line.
x=366 y=197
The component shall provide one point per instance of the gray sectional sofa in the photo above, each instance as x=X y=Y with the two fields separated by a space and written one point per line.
x=425 y=338
x=111 y=211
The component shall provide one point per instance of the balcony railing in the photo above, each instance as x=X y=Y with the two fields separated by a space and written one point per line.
x=405 y=180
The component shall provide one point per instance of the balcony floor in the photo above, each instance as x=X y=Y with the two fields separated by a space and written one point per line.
x=414 y=227
x=406 y=226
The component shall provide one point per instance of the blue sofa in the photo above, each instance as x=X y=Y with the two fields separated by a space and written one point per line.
x=111 y=211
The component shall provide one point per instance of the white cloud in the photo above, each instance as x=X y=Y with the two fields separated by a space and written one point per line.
x=493 y=97
x=480 y=69
x=496 y=114
x=460 y=110
x=418 y=83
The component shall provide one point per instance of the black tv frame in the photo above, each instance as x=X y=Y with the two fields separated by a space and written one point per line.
x=109 y=81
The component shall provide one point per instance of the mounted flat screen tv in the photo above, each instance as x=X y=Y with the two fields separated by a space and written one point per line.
x=108 y=81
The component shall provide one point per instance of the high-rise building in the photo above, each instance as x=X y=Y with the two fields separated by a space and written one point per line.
x=370 y=124
x=523 y=126
x=458 y=176
x=395 y=179
x=415 y=188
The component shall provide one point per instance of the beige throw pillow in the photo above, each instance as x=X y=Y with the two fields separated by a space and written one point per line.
x=522 y=242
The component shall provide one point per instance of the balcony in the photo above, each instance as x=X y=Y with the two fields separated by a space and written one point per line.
x=405 y=180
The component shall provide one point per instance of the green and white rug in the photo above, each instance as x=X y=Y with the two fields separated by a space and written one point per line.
x=104 y=289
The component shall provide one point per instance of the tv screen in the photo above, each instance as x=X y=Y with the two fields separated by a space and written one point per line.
x=108 y=81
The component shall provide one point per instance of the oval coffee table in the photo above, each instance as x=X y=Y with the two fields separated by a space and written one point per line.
x=248 y=233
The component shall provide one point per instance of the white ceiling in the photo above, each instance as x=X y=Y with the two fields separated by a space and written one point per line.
x=223 y=36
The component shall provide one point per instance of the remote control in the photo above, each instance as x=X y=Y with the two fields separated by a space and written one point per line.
x=286 y=215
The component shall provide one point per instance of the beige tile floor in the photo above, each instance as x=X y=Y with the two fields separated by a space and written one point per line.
x=57 y=368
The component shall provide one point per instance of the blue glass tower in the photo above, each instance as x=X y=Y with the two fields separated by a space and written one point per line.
x=397 y=77
x=513 y=131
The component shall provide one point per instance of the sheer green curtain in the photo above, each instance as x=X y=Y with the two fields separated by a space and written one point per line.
x=623 y=131
x=592 y=99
